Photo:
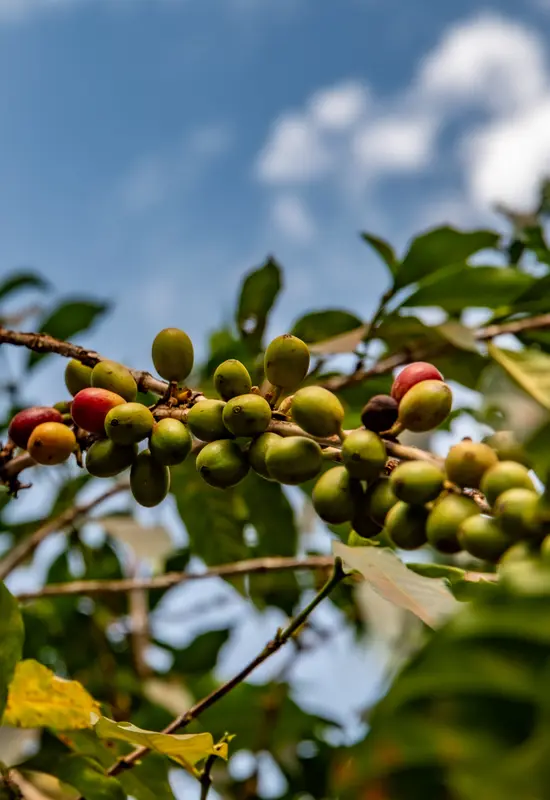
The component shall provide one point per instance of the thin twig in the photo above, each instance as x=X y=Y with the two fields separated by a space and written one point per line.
x=206 y=778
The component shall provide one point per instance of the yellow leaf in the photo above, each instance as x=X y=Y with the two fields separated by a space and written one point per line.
x=39 y=699
x=185 y=749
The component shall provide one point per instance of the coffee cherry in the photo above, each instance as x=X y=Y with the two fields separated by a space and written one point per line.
x=77 y=376
x=362 y=524
x=231 y=379
x=170 y=442
x=173 y=354
x=332 y=496
x=205 y=420
x=520 y=551
x=507 y=447
x=116 y=378
x=380 y=413
x=467 y=462
x=149 y=480
x=91 y=406
x=129 y=423
x=105 y=459
x=545 y=548
x=293 y=460
x=317 y=411
x=257 y=453
x=64 y=407
x=425 y=406
x=445 y=519
x=515 y=510
x=417 y=482
x=406 y=525
x=286 y=361
x=380 y=498
x=222 y=464
x=411 y=375
x=247 y=415
x=483 y=538
x=51 y=443
x=502 y=476
x=24 y=422
x=364 y=454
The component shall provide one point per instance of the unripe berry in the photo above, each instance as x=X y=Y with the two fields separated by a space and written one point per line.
x=380 y=413
x=116 y=378
x=364 y=454
x=64 y=407
x=77 y=376
x=468 y=461
x=520 y=551
x=105 y=459
x=515 y=511
x=545 y=548
x=222 y=464
x=332 y=496
x=294 y=459
x=317 y=411
x=411 y=375
x=257 y=453
x=205 y=420
x=247 y=415
x=170 y=442
x=51 y=443
x=231 y=379
x=149 y=480
x=286 y=361
x=502 y=476
x=417 y=482
x=507 y=447
x=425 y=406
x=129 y=423
x=445 y=519
x=406 y=525
x=362 y=524
x=24 y=422
x=173 y=354
x=380 y=498
x=91 y=406
x=483 y=538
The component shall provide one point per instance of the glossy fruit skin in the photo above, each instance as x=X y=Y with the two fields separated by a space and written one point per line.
x=520 y=551
x=105 y=459
x=24 y=422
x=257 y=453
x=247 y=415
x=222 y=464
x=51 y=443
x=91 y=406
x=364 y=455
x=406 y=525
x=483 y=538
x=425 y=406
x=545 y=548
x=286 y=361
x=507 y=447
x=380 y=413
x=129 y=423
x=77 y=376
x=380 y=498
x=502 y=476
x=149 y=480
x=411 y=375
x=64 y=407
x=417 y=482
x=205 y=420
x=294 y=460
x=173 y=354
x=332 y=496
x=317 y=411
x=467 y=462
x=514 y=510
x=231 y=379
x=116 y=378
x=445 y=519
x=170 y=442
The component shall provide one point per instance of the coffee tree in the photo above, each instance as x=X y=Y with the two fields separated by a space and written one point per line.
x=373 y=450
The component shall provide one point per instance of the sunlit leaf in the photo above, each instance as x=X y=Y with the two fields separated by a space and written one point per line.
x=460 y=287
x=320 y=326
x=11 y=641
x=529 y=368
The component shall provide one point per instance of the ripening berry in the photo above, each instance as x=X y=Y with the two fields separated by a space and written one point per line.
x=173 y=354
x=149 y=480
x=364 y=455
x=406 y=525
x=317 y=411
x=467 y=462
x=77 y=376
x=380 y=413
x=170 y=442
x=294 y=459
x=90 y=407
x=425 y=406
x=105 y=459
x=129 y=423
x=231 y=379
x=51 y=443
x=483 y=538
x=417 y=482
x=257 y=453
x=205 y=420
x=222 y=464
x=507 y=447
x=286 y=361
x=247 y=415
x=411 y=375
x=445 y=519
x=24 y=422
x=116 y=378
x=332 y=496
x=380 y=498
x=502 y=476
x=516 y=511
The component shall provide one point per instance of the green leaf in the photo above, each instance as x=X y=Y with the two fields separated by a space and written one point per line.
x=528 y=368
x=86 y=775
x=12 y=634
x=201 y=656
x=22 y=280
x=440 y=248
x=318 y=326
x=384 y=250
x=259 y=291
x=68 y=319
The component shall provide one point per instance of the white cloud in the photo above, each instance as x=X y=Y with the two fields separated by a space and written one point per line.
x=292 y=217
x=395 y=143
x=294 y=152
x=340 y=107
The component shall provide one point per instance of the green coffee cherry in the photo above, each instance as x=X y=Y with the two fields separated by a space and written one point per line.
x=149 y=480
x=129 y=423
x=380 y=498
x=247 y=415
x=64 y=407
x=170 y=442
x=293 y=460
x=173 y=354
x=77 y=376
x=406 y=525
x=445 y=520
x=205 y=420
x=222 y=464
x=507 y=447
x=502 y=476
x=231 y=379
x=425 y=406
x=483 y=538
x=116 y=378
x=467 y=462
x=332 y=496
x=257 y=453
x=317 y=411
x=364 y=455
x=417 y=482
x=520 y=551
x=515 y=511
x=286 y=361
x=545 y=548
x=105 y=459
